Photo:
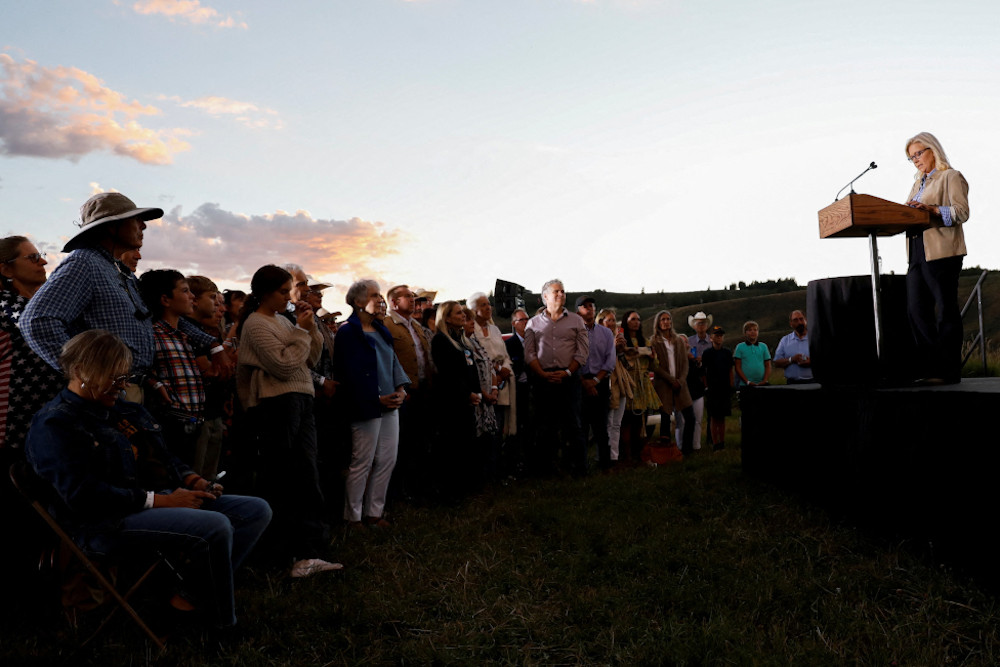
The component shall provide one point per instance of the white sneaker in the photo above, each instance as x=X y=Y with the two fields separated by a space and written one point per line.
x=310 y=566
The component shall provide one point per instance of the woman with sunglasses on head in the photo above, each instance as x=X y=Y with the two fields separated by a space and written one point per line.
x=120 y=491
x=22 y=272
x=935 y=260
x=639 y=357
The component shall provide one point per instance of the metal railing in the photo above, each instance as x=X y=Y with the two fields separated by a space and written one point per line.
x=980 y=340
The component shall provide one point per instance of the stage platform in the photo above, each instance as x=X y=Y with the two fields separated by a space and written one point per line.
x=917 y=462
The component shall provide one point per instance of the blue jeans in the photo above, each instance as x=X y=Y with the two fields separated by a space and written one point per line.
x=214 y=539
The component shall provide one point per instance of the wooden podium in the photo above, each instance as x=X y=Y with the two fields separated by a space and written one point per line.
x=857 y=215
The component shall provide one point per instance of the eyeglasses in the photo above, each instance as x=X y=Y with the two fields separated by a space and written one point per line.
x=520 y=319
x=918 y=154
x=34 y=258
x=117 y=382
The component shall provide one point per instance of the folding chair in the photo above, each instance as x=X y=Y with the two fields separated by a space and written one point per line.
x=35 y=490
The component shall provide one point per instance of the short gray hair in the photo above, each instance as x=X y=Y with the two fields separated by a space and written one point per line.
x=293 y=268
x=359 y=290
x=548 y=285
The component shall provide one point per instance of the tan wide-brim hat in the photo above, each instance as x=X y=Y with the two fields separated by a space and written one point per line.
x=107 y=207
x=699 y=316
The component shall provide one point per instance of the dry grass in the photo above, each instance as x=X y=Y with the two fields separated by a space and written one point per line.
x=682 y=565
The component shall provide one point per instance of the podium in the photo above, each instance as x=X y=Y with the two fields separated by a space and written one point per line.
x=856 y=216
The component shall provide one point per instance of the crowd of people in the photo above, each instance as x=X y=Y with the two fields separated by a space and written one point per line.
x=143 y=389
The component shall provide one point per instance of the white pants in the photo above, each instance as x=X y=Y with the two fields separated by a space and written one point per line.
x=615 y=427
x=374 y=444
x=699 y=410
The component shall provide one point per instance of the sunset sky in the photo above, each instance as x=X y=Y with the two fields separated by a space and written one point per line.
x=617 y=144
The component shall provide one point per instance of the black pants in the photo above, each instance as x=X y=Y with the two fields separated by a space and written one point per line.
x=935 y=318
x=411 y=475
x=558 y=427
x=516 y=447
x=288 y=477
x=595 y=420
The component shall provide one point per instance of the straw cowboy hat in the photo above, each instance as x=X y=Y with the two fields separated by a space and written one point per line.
x=107 y=207
x=699 y=316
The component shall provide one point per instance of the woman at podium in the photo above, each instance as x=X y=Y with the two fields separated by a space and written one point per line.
x=935 y=260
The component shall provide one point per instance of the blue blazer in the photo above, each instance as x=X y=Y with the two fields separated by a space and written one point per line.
x=355 y=367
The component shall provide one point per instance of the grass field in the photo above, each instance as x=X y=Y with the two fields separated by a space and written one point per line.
x=688 y=564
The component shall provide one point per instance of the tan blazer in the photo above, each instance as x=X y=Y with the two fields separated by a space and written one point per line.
x=402 y=343
x=947 y=188
x=672 y=399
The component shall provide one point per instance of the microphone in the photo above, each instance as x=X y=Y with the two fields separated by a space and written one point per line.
x=851 y=184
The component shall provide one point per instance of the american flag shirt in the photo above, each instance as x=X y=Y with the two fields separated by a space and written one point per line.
x=26 y=381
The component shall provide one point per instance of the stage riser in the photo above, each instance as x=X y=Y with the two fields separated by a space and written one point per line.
x=905 y=462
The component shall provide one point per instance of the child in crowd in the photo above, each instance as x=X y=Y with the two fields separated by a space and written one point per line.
x=718 y=364
x=175 y=393
x=207 y=315
x=752 y=358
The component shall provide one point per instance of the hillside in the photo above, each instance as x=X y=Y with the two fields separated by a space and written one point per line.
x=730 y=308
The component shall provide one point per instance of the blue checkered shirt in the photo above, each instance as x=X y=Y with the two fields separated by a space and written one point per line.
x=91 y=290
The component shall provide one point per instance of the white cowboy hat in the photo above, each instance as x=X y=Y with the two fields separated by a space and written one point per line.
x=700 y=315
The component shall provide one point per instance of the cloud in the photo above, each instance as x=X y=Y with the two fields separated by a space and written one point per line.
x=96 y=189
x=230 y=246
x=247 y=113
x=190 y=11
x=65 y=112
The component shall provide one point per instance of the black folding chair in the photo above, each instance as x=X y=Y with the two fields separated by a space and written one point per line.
x=36 y=491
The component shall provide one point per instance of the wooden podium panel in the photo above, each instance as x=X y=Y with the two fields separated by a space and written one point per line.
x=862 y=215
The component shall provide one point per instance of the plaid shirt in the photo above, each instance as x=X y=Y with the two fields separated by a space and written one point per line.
x=175 y=367
x=91 y=290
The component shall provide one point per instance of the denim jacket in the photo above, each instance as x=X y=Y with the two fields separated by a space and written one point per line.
x=100 y=461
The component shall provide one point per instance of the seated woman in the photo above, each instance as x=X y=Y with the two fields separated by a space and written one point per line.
x=373 y=385
x=119 y=489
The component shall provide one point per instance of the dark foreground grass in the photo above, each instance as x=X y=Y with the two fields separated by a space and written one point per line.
x=682 y=565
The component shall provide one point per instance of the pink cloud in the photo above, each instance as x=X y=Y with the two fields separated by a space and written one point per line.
x=191 y=11
x=230 y=246
x=65 y=112
x=246 y=113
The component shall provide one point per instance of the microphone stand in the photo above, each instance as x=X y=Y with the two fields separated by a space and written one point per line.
x=851 y=184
